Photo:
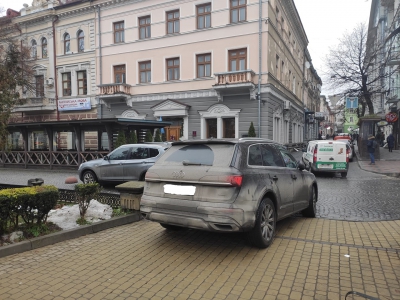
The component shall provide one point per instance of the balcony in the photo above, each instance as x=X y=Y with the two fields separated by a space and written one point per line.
x=235 y=82
x=35 y=104
x=114 y=92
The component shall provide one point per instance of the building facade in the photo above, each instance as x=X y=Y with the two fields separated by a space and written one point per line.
x=209 y=67
x=384 y=28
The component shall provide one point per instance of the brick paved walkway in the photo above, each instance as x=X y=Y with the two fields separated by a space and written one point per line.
x=309 y=259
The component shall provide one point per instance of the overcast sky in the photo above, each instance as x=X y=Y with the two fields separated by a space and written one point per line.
x=324 y=21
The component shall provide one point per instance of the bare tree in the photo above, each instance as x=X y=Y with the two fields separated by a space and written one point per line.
x=354 y=69
x=16 y=74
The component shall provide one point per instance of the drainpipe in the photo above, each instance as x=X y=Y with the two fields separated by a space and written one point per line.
x=100 y=59
x=55 y=65
x=259 y=65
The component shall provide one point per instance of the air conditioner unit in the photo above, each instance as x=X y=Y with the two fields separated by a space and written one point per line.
x=286 y=104
x=50 y=81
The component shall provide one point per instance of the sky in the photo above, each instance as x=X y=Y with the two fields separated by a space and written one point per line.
x=324 y=22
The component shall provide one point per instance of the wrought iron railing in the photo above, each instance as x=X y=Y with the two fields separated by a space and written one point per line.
x=48 y=158
x=69 y=196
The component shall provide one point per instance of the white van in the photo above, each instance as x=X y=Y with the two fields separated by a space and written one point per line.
x=327 y=156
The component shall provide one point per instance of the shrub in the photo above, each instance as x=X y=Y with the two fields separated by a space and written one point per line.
x=121 y=140
x=252 y=132
x=32 y=204
x=157 y=138
x=132 y=138
x=84 y=194
x=149 y=136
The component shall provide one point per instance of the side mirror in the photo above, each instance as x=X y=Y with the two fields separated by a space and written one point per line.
x=304 y=149
x=301 y=165
x=106 y=158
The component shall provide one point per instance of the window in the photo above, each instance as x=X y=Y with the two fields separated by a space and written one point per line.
x=144 y=27
x=145 y=72
x=119 y=32
x=44 y=47
x=119 y=154
x=203 y=16
x=270 y=157
x=254 y=157
x=351 y=119
x=153 y=152
x=82 y=83
x=67 y=43
x=81 y=41
x=203 y=65
x=282 y=71
x=66 y=84
x=173 y=69
x=238 y=11
x=139 y=153
x=39 y=81
x=237 y=60
x=228 y=128
x=173 y=22
x=33 y=49
x=277 y=67
x=119 y=74
x=290 y=161
x=211 y=128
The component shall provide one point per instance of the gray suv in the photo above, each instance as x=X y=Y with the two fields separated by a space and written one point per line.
x=228 y=186
x=127 y=162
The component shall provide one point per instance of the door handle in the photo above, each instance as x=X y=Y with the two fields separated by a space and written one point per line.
x=275 y=178
x=294 y=176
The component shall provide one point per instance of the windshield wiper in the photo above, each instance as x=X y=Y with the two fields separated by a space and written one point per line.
x=188 y=163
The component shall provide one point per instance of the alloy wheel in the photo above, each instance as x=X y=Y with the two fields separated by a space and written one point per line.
x=267 y=223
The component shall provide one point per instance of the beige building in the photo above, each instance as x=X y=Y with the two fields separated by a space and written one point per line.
x=209 y=67
x=205 y=68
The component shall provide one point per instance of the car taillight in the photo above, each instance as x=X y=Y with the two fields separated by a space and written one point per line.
x=315 y=153
x=235 y=180
x=347 y=154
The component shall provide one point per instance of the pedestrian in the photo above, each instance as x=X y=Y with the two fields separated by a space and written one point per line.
x=383 y=139
x=371 y=148
x=319 y=136
x=390 y=141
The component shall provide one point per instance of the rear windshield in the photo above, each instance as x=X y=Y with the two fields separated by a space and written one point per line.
x=205 y=154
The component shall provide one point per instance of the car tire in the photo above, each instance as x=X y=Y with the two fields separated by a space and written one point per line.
x=142 y=177
x=264 y=228
x=172 y=227
x=89 y=177
x=311 y=210
x=344 y=174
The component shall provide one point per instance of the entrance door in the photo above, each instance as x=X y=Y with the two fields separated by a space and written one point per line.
x=173 y=133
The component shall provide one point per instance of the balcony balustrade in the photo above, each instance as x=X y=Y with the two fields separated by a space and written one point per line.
x=234 y=77
x=36 y=103
x=115 y=88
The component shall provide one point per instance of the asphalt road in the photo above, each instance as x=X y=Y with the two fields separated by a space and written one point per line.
x=362 y=196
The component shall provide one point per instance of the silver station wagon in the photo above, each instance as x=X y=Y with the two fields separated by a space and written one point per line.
x=228 y=185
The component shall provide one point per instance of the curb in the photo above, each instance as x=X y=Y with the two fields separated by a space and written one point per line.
x=64 y=235
x=395 y=175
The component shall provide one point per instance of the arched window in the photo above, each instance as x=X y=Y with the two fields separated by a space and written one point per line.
x=33 y=49
x=81 y=41
x=44 y=47
x=67 y=43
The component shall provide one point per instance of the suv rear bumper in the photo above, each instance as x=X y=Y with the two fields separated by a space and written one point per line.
x=198 y=215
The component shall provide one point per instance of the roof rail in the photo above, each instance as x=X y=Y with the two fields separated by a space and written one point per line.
x=254 y=139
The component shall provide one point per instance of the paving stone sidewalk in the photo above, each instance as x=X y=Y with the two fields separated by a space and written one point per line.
x=309 y=259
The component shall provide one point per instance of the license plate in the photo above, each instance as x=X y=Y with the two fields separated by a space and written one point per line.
x=330 y=166
x=184 y=190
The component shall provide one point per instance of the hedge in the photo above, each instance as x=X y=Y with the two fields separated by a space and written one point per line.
x=32 y=204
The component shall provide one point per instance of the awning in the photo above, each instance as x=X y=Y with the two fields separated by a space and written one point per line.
x=90 y=124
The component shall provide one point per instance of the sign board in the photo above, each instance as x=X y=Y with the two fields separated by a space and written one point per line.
x=351 y=102
x=319 y=115
x=382 y=123
x=74 y=104
x=391 y=117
